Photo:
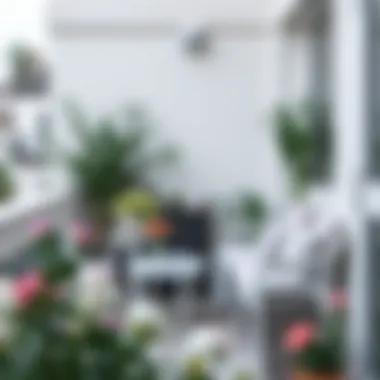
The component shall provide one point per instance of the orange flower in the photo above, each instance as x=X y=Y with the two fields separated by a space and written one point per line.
x=299 y=336
x=158 y=229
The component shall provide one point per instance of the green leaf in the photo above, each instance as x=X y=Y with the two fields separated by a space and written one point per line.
x=26 y=356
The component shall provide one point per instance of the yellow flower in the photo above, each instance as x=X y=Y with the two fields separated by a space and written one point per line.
x=137 y=204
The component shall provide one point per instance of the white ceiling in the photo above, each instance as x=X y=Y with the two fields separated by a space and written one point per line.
x=194 y=10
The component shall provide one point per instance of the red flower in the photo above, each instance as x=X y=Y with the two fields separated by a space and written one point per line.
x=339 y=300
x=40 y=228
x=299 y=336
x=28 y=288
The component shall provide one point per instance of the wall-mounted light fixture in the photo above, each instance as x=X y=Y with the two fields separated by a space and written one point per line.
x=196 y=40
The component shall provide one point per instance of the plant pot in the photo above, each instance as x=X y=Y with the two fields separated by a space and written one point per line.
x=307 y=375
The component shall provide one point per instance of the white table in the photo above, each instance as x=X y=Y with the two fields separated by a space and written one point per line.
x=181 y=268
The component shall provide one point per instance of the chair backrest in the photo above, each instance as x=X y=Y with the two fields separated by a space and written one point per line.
x=193 y=230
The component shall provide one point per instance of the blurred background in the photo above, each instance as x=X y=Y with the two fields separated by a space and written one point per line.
x=203 y=174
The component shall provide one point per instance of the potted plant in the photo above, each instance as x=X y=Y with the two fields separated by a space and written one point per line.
x=110 y=158
x=317 y=354
x=132 y=209
x=252 y=211
x=304 y=141
x=29 y=72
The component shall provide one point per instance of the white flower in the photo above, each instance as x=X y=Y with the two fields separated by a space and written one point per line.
x=243 y=374
x=144 y=320
x=95 y=290
x=211 y=342
x=195 y=367
x=7 y=296
x=242 y=371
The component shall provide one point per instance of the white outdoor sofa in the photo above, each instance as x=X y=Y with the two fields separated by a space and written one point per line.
x=294 y=253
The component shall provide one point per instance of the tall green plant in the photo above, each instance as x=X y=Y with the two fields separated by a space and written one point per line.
x=304 y=140
x=111 y=157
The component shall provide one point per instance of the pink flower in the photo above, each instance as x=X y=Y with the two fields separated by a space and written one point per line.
x=28 y=288
x=83 y=234
x=299 y=336
x=339 y=300
x=40 y=228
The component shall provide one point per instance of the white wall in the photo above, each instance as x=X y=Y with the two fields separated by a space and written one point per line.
x=217 y=110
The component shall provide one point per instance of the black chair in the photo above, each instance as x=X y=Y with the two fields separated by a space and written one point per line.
x=193 y=231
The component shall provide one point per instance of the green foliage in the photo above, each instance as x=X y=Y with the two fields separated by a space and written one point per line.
x=304 y=139
x=320 y=357
x=44 y=349
x=111 y=158
x=7 y=186
x=326 y=352
x=252 y=209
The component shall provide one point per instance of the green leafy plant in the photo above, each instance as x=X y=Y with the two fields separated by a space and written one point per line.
x=252 y=210
x=112 y=157
x=320 y=357
x=28 y=70
x=45 y=334
x=7 y=185
x=304 y=140
x=320 y=351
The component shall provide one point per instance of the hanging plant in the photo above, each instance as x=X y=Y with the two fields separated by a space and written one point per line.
x=252 y=211
x=305 y=143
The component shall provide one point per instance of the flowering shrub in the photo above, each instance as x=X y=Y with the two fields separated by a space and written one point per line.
x=52 y=326
x=320 y=351
x=59 y=322
x=28 y=288
x=299 y=336
x=144 y=321
x=210 y=342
